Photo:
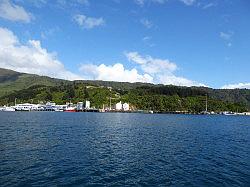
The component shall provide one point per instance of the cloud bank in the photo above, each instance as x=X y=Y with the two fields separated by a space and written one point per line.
x=115 y=72
x=30 y=57
x=14 y=12
x=143 y=2
x=146 y=69
x=161 y=70
x=239 y=86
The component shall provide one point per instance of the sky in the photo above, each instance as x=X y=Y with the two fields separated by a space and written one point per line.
x=178 y=42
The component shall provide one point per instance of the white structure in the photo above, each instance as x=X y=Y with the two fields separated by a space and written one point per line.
x=60 y=108
x=8 y=109
x=87 y=104
x=118 y=106
x=79 y=106
x=26 y=107
x=125 y=106
x=50 y=106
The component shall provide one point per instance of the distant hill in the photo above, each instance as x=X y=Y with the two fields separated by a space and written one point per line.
x=11 y=81
x=40 y=88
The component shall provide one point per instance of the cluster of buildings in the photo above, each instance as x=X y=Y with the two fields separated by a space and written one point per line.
x=122 y=107
x=49 y=106
x=68 y=107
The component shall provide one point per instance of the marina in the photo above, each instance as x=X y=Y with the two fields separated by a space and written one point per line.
x=118 y=107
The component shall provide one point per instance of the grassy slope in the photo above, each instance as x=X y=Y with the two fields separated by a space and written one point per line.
x=11 y=81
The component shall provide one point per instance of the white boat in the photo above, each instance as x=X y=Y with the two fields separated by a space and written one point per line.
x=229 y=113
x=70 y=109
x=26 y=107
x=8 y=109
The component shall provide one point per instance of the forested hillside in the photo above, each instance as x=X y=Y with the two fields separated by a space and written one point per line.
x=34 y=88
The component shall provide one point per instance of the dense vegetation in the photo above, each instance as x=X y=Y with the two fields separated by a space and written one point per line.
x=36 y=89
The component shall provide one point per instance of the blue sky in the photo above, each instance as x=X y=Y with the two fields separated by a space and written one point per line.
x=180 y=42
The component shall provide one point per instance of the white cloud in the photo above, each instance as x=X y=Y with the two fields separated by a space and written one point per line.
x=88 y=22
x=188 y=2
x=14 y=12
x=151 y=65
x=226 y=35
x=36 y=3
x=83 y=2
x=148 y=24
x=30 y=58
x=146 y=38
x=142 y=2
x=148 y=41
x=209 y=5
x=115 y=72
x=49 y=32
x=234 y=86
x=161 y=70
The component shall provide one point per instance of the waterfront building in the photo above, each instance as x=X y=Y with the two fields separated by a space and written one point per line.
x=125 y=106
x=79 y=106
x=118 y=106
x=87 y=105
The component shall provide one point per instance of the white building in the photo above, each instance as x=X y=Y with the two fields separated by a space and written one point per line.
x=87 y=104
x=79 y=106
x=118 y=106
x=125 y=106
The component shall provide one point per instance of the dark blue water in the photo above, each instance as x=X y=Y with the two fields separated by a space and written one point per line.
x=105 y=149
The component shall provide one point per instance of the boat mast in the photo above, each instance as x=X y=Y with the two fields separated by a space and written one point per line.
x=110 y=98
x=110 y=103
x=206 y=102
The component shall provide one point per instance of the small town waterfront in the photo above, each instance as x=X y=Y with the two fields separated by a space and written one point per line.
x=123 y=149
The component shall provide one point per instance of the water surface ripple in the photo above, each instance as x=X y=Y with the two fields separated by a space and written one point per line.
x=118 y=149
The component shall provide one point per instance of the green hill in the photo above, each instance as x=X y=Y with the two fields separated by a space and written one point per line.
x=11 y=81
x=34 y=88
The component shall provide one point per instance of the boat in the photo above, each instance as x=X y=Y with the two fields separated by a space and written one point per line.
x=8 y=109
x=26 y=107
x=70 y=109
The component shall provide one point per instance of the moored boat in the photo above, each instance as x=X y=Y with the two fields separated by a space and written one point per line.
x=8 y=109
x=70 y=109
